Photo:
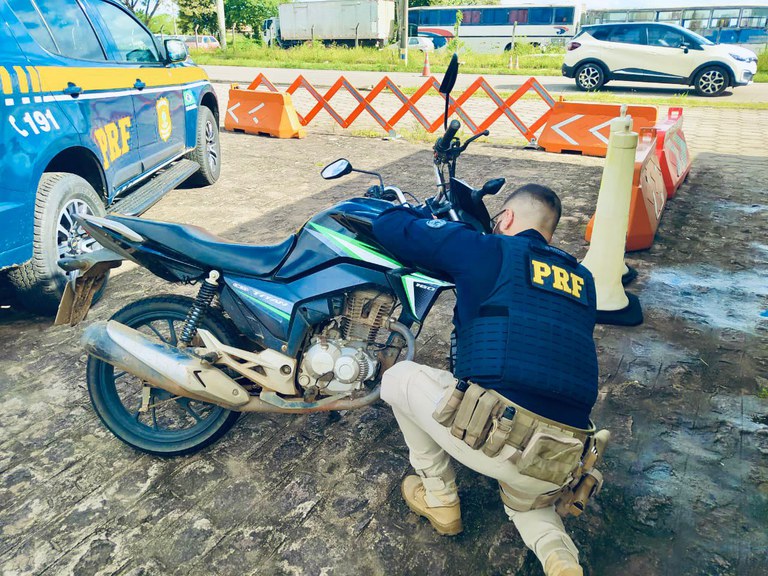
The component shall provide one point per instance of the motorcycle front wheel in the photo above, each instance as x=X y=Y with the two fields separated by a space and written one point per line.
x=171 y=426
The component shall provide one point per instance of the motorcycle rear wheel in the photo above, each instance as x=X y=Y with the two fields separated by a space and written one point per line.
x=172 y=426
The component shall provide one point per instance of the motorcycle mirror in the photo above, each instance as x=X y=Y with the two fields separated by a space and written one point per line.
x=337 y=169
x=449 y=80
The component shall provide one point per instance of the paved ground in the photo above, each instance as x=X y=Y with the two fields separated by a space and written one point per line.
x=554 y=84
x=684 y=395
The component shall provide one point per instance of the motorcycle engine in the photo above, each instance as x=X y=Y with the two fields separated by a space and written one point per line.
x=344 y=354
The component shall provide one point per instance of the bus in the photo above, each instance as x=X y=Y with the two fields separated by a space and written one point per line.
x=720 y=21
x=494 y=29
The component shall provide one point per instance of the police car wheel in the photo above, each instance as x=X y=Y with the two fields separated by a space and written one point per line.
x=207 y=151
x=60 y=196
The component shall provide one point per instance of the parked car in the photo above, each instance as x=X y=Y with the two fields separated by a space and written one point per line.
x=97 y=116
x=202 y=43
x=656 y=52
x=421 y=43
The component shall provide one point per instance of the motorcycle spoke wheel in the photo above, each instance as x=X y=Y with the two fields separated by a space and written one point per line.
x=165 y=424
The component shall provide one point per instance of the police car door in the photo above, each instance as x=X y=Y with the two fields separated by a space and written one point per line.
x=69 y=66
x=159 y=104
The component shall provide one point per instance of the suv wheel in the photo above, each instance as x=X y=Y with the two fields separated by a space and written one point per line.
x=60 y=196
x=711 y=81
x=207 y=150
x=590 y=77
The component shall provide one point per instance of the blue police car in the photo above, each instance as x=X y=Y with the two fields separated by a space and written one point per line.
x=96 y=116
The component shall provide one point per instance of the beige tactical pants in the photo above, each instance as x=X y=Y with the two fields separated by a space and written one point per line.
x=414 y=391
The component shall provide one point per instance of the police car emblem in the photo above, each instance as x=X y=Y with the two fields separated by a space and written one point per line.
x=435 y=223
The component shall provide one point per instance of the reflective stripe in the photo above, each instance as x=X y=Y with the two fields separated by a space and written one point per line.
x=5 y=80
x=55 y=78
x=22 y=77
x=119 y=93
x=35 y=77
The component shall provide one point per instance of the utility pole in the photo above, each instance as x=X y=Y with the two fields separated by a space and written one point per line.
x=404 y=32
x=222 y=25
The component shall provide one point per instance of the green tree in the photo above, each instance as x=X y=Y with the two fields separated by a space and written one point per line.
x=144 y=9
x=250 y=13
x=200 y=14
x=161 y=23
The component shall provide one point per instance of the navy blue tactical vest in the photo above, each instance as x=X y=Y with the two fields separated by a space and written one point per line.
x=532 y=339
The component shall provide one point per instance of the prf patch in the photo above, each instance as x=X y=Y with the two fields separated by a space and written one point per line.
x=558 y=280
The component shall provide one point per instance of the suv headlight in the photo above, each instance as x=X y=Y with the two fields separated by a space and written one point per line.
x=741 y=58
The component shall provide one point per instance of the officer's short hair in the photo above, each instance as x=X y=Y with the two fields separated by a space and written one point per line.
x=542 y=195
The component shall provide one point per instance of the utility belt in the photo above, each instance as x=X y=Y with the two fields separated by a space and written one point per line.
x=546 y=450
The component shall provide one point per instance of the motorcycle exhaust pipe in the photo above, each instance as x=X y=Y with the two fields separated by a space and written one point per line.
x=161 y=365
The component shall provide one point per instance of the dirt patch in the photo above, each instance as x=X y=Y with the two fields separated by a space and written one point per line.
x=686 y=474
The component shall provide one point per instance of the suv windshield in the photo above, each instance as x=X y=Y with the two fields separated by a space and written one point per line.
x=698 y=37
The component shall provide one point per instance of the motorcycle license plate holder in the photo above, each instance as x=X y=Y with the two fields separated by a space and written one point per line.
x=85 y=278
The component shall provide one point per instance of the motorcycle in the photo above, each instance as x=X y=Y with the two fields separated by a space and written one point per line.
x=306 y=325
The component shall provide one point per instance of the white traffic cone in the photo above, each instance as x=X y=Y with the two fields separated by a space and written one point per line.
x=605 y=258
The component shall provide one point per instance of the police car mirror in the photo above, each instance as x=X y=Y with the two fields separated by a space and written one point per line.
x=337 y=169
x=175 y=50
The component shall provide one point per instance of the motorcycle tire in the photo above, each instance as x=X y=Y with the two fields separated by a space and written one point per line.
x=142 y=431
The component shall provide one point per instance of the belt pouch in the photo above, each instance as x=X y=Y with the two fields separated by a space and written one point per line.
x=466 y=409
x=550 y=457
x=445 y=412
x=499 y=433
x=482 y=418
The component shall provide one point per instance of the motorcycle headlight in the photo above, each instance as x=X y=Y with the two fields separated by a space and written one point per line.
x=741 y=58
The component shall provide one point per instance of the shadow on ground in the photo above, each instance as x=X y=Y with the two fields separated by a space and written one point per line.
x=687 y=476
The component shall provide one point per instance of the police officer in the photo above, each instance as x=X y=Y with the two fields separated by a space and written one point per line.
x=524 y=318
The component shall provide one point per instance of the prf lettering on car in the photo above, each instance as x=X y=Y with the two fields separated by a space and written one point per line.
x=558 y=280
x=113 y=140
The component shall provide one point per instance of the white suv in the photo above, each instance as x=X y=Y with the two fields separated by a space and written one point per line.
x=655 y=52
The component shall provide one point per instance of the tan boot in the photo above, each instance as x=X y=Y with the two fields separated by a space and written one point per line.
x=562 y=563
x=445 y=519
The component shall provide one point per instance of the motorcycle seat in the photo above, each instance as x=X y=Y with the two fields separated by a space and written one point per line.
x=196 y=244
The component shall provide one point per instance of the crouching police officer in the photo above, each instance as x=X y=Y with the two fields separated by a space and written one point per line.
x=517 y=408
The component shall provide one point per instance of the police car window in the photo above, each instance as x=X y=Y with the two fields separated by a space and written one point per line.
x=33 y=22
x=71 y=29
x=134 y=43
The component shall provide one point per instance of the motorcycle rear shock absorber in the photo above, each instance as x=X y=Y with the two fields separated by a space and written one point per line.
x=204 y=298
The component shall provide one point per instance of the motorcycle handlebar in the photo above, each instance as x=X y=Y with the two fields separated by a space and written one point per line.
x=444 y=143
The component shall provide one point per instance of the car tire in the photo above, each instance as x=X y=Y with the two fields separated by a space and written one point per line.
x=40 y=282
x=207 y=152
x=711 y=81
x=590 y=77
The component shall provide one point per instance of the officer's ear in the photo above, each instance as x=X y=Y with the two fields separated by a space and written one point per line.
x=506 y=221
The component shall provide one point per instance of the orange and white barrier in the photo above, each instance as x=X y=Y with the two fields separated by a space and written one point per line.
x=672 y=149
x=649 y=195
x=262 y=112
x=585 y=127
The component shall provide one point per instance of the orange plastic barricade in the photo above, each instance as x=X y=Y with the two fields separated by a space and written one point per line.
x=262 y=112
x=583 y=127
x=649 y=195
x=672 y=149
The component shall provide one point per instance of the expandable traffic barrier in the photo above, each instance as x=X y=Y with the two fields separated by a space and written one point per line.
x=409 y=105
x=605 y=258
x=649 y=195
x=672 y=149
x=583 y=127
x=262 y=112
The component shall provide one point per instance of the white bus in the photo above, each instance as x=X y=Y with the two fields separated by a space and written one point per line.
x=721 y=21
x=490 y=29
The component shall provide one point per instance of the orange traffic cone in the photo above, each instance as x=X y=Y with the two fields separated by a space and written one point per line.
x=425 y=72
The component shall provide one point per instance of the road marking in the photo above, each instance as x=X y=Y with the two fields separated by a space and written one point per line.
x=596 y=131
x=231 y=112
x=256 y=109
x=563 y=135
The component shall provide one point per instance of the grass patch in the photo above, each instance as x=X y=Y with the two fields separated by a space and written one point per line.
x=318 y=57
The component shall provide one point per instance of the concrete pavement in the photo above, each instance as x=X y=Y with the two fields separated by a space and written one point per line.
x=554 y=84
